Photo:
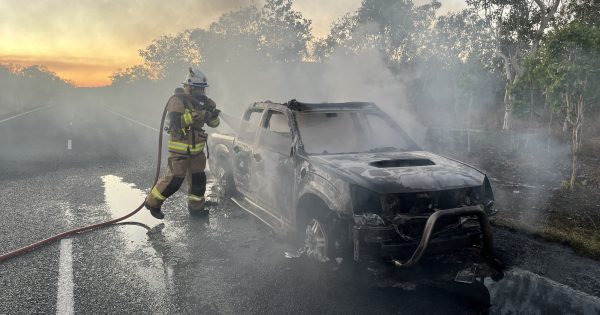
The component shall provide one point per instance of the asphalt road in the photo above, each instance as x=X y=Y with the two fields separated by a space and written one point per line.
x=66 y=167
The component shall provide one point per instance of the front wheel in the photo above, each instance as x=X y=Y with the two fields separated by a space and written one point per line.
x=324 y=238
x=316 y=241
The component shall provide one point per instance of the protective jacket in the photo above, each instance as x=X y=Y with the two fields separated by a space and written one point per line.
x=187 y=116
x=187 y=139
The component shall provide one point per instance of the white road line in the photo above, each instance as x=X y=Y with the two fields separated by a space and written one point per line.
x=65 y=300
x=69 y=144
x=21 y=114
x=132 y=120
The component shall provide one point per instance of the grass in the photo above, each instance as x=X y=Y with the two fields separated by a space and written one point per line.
x=585 y=243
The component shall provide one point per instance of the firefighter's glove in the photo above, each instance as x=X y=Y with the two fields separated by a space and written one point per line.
x=211 y=114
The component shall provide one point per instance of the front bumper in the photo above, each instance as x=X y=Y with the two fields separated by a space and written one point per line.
x=379 y=241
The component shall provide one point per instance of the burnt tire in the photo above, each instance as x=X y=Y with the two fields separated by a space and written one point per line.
x=224 y=187
x=322 y=235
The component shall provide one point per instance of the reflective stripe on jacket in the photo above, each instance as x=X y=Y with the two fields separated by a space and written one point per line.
x=186 y=135
x=184 y=148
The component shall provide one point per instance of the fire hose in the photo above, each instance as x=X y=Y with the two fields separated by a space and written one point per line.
x=60 y=236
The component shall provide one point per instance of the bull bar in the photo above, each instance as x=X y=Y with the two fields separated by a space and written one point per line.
x=478 y=211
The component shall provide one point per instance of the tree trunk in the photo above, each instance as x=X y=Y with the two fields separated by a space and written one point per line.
x=531 y=108
x=456 y=115
x=469 y=123
x=577 y=138
x=549 y=130
x=574 y=156
x=577 y=128
x=508 y=100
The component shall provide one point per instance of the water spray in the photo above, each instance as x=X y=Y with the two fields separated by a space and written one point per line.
x=230 y=120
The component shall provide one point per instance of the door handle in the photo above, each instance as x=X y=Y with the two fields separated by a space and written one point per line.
x=236 y=149
x=257 y=157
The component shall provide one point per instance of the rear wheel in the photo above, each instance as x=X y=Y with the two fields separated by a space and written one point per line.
x=224 y=187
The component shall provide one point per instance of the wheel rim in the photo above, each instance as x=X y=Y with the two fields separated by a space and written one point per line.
x=316 y=241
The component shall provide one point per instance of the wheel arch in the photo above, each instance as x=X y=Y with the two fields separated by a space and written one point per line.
x=309 y=205
x=220 y=154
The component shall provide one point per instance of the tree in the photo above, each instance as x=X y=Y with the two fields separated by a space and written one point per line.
x=568 y=64
x=170 y=52
x=458 y=47
x=518 y=27
x=284 y=33
x=31 y=86
x=399 y=29
x=584 y=11
x=233 y=36
x=342 y=31
x=130 y=75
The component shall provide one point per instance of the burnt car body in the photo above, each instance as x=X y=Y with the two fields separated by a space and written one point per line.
x=349 y=178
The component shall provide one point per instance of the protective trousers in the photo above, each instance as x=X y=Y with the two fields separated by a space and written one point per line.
x=180 y=166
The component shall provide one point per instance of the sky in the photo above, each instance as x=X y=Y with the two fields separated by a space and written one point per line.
x=85 y=41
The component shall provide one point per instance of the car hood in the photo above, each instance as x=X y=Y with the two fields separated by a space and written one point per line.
x=399 y=172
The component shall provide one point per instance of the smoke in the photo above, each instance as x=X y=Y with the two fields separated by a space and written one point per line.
x=345 y=78
x=422 y=98
x=524 y=169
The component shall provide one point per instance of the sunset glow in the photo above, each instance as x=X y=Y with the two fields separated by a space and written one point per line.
x=86 y=41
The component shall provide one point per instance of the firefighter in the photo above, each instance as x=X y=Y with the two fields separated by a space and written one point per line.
x=189 y=110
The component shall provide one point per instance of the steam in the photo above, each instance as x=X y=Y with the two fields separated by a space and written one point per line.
x=346 y=78
x=436 y=118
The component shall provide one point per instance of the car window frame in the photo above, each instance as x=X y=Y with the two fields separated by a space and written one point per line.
x=245 y=133
x=265 y=132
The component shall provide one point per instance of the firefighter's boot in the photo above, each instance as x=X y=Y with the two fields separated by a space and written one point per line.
x=155 y=211
x=167 y=185
x=197 y=186
x=196 y=205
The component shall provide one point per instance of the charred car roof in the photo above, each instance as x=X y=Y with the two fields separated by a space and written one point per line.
x=294 y=105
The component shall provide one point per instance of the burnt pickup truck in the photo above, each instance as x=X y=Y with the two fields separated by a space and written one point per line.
x=349 y=181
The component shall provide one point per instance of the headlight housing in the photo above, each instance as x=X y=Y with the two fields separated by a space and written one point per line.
x=364 y=200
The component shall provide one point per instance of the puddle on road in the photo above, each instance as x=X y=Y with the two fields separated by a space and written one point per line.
x=524 y=292
x=121 y=198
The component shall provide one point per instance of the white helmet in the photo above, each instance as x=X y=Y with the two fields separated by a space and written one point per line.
x=196 y=78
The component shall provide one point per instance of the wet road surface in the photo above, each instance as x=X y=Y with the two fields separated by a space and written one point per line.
x=64 y=167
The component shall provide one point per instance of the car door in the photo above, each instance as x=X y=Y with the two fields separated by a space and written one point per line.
x=274 y=164
x=243 y=162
